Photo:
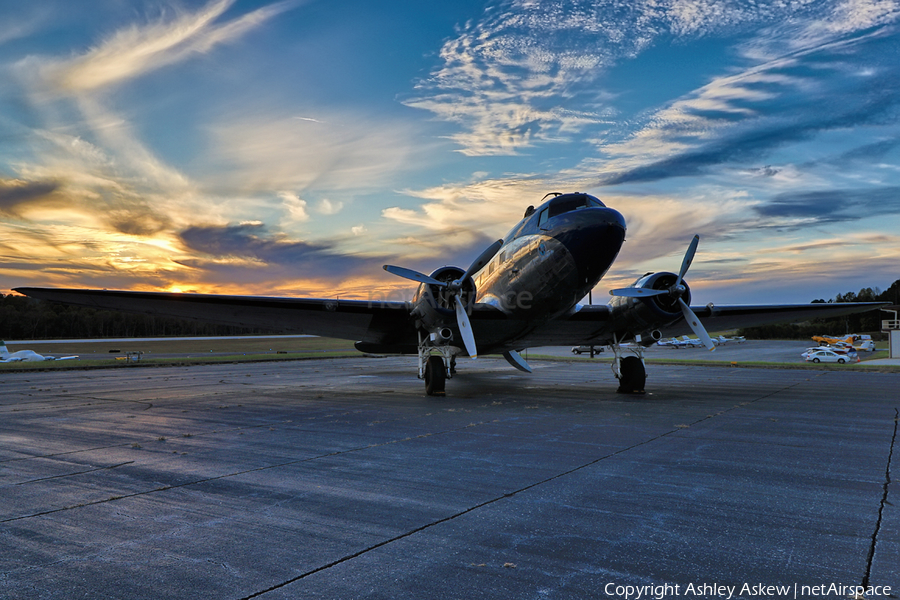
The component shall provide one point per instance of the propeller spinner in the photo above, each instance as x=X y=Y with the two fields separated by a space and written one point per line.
x=676 y=290
x=455 y=288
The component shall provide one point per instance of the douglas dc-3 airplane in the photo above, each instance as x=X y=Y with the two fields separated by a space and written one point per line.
x=522 y=291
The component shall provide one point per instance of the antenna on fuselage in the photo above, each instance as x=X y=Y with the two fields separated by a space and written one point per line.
x=554 y=194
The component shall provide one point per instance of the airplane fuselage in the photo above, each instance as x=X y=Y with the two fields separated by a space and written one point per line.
x=552 y=258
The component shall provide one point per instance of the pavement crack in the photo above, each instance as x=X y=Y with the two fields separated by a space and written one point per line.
x=75 y=473
x=884 y=500
x=166 y=488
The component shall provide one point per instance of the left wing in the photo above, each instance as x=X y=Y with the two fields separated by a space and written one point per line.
x=375 y=322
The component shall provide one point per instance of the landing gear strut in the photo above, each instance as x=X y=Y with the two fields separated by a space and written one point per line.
x=437 y=362
x=629 y=370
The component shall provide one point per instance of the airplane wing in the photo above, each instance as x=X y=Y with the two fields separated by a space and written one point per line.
x=387 y=326
x=374 y=322
x=593 y=325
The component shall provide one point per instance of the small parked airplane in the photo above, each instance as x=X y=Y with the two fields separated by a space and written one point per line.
x=523 y=291
x=683 y=342
x=670 y=343
x=738 y=339
x=26 y=355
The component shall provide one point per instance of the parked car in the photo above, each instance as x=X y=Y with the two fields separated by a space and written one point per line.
x=829 y=356
x=587 y=349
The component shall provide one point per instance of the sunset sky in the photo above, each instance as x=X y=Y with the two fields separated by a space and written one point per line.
x=292 y=148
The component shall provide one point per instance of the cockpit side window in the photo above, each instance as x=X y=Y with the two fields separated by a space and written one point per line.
x=545 y=215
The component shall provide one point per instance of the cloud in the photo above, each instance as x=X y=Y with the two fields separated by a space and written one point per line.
x=138 y=50
x=746 y=116
x=14 y=192
x=510 y=79
x=329 y=207
x=266 y=150
x=252 y=242
x=295 y=207
x=831 y=206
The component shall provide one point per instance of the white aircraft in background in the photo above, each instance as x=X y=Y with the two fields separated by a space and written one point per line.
x=739 y=339
x=26 y=355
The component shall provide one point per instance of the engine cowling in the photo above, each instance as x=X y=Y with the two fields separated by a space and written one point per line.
x=646 y=314
x=433 y=306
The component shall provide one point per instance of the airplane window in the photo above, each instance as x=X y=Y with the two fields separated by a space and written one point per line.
x=542 y=220
x=565 y=204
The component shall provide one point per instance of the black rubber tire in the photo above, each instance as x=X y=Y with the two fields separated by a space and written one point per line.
x=841 y=361
x=815 y=360
x=633 y=376
x=435 y=376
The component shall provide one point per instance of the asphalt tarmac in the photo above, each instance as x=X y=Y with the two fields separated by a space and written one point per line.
x=341 y=479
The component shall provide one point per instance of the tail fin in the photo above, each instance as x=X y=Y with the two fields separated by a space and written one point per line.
x=4 y=353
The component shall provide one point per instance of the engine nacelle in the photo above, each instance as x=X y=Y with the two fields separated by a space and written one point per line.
x=434 y=307
x=643 y=315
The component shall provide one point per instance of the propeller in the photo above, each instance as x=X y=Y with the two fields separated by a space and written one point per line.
x=677 y=290
x=455 y=288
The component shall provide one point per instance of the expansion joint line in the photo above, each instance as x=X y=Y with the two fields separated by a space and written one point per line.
x=511 y=494
x=460 y=514
x=884 y=497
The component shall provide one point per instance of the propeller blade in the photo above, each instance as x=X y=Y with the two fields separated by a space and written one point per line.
x=688 y=259
x=513 y=358
x=631 y=292
x=414 y=275
x=465 y=328
x=483 y=259
x=695 y=325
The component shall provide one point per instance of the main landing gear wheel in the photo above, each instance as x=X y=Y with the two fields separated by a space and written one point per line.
x=633 y=376
x=435 y=376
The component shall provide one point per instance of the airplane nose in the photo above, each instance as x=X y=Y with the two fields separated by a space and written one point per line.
x=593 y=237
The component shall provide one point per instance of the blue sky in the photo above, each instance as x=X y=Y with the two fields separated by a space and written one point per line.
x=292 y=148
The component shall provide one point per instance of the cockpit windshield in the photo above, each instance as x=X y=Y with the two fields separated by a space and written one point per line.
x=570 y=202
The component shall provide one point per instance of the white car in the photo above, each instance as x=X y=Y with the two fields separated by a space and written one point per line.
x=829 y=356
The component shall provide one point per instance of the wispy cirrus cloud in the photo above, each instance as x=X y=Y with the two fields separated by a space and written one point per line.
x=746 y=116
x=340 y=152
x=509 y=79
x=138 y=50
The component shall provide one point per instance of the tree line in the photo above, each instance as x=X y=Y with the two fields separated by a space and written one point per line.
x=23 y=318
